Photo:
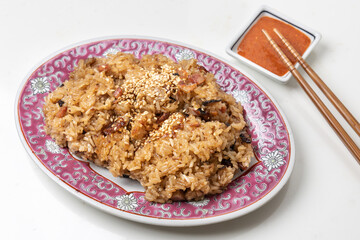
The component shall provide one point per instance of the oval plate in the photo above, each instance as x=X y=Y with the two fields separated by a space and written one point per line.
x=272 y=139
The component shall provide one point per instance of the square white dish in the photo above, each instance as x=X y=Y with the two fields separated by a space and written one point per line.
x=231 y=49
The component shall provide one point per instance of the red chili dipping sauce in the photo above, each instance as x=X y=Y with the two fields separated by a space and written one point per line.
x=256 y=48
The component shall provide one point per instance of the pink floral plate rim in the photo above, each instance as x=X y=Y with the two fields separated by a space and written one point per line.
x=272 y=138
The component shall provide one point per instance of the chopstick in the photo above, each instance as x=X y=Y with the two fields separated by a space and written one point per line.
x=322 y=86
x=345 y=138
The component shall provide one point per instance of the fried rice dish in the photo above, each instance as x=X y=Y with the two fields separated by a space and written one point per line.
x=167 y=125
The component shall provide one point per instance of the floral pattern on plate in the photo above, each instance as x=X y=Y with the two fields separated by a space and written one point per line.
x=40 y=85
x=271 y=139
x=127 y=202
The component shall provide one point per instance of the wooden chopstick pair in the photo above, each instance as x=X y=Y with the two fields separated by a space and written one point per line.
x=345 y=138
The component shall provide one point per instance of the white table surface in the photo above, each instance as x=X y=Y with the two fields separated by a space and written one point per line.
x=322 y=197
